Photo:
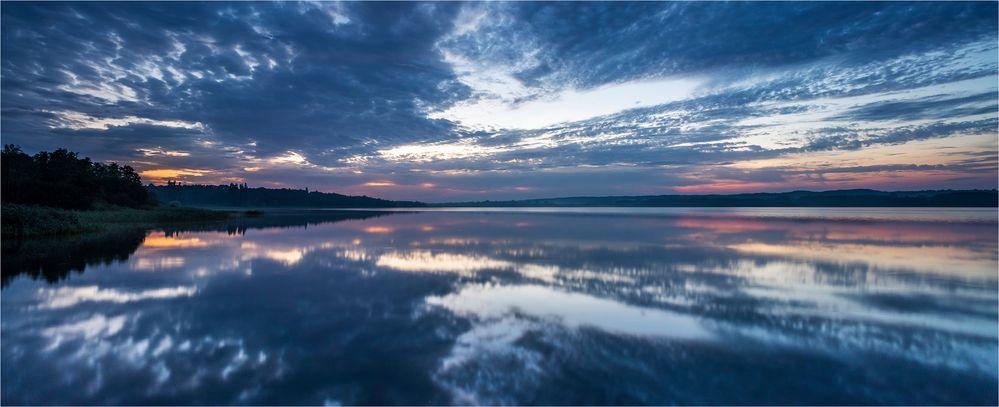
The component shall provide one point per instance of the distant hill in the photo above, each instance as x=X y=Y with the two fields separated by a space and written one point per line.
x=840 y=198
x=239 y=195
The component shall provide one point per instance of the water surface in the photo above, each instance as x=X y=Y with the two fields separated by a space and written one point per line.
x=581 y=306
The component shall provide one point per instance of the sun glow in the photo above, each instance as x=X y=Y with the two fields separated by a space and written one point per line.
x=162 y=175
x=380 y=184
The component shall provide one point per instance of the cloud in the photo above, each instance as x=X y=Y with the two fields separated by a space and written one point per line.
x=569 y=105
x=79 y=121
x=481 y=98
x=70 y=296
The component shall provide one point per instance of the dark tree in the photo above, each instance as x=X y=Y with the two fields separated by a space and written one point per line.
x=61 y=179
x=240 y=195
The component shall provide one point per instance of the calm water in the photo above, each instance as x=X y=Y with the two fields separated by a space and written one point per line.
x=761 y=306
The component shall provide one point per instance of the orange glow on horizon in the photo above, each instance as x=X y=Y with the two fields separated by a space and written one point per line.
x=881 y=180
x=164 y=174
x=725 y=187
x=380 y=184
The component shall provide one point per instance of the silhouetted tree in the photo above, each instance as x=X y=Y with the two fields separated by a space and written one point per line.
x=61 y=179
x=240 y=195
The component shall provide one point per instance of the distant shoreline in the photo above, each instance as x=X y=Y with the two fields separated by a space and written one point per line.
x=856 y=198
x=20 y=221
x=802 y=214
x=239 y=196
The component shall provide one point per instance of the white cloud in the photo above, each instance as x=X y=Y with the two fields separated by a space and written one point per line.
x=570 y=309
x=65 y=297
x=80 y=121
x=423 y=261
x=336 y=12
x=160 y=151
x=569 y=105
x=94 y=327
x=812 y=116
x=290 y=157
x=107 y=90
x=440 y=151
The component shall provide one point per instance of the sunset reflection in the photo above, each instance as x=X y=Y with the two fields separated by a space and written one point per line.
x=159 y=242
x=378 y=229
x=953 y=261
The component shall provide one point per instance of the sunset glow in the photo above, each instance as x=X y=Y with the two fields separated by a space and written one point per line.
x=493 y=101
x=163 y=175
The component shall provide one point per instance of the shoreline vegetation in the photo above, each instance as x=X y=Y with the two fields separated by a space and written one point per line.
x=243 y=196
x=25 y=221
x=117 y=233
x=59 y=194
x=240 y=196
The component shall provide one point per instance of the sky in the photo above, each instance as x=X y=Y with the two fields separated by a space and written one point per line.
x=474 y=101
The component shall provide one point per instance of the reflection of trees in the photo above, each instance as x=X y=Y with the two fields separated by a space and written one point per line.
x=275 y=219
x=54 y=258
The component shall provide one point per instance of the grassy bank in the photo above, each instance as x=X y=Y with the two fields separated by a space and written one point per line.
x=30 y=221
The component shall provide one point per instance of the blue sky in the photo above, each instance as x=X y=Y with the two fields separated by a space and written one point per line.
x=454 y=101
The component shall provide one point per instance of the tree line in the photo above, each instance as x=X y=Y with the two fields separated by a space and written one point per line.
x=240 y=195
x=62 y=179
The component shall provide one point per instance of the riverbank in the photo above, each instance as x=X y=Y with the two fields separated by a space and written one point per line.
x=32 y=221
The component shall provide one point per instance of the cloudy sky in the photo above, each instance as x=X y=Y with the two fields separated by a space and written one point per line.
x=455 y=101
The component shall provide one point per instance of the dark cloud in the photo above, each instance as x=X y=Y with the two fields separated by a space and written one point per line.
x=320 y=88
x=234 y=87
x=600 y=42
x=927 y=108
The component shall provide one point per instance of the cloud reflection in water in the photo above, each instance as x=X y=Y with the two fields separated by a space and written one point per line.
x=479 y=308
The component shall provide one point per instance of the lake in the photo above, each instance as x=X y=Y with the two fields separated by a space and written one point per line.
x=512 y=306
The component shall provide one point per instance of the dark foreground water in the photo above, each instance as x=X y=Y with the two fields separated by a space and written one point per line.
x=887 y=306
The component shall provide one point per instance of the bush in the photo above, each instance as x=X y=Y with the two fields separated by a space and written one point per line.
x=21 y=221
